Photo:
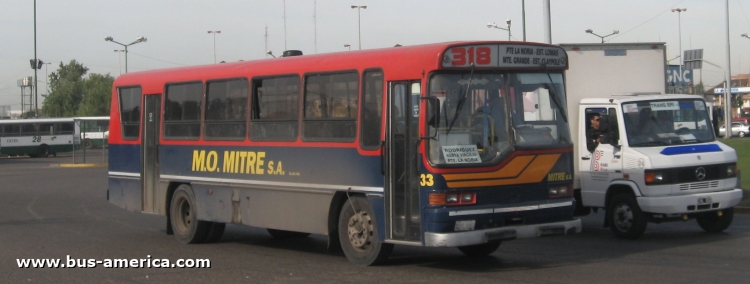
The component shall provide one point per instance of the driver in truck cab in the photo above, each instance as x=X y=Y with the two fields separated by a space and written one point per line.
x=593 y=133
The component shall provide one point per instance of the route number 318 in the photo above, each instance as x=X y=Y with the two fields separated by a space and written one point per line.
x=465 y=56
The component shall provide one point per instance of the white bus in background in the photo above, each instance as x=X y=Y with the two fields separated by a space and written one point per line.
x=37 y=137
x=94 y=130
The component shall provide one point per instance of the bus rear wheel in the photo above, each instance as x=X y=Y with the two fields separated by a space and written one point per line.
x=712 y=222
x=358 y=233
x=42 y=151
x=88 y=143
x=185 y=224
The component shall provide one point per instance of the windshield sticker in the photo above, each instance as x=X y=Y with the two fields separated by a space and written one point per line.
x=662 y=105
x=461 y=154
x=630 y=108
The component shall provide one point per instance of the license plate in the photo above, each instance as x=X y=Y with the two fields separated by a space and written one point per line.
x=704 y=200
x=467 y=225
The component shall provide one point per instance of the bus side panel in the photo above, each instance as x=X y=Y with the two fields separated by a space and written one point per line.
x=125 y=158
x=125 y=193
x=124 y=176
x=292 y=211
x=214 y=203
x=378 y=207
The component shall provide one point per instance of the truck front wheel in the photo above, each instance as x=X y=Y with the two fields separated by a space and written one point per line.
x=714 y=222
x=626 y=219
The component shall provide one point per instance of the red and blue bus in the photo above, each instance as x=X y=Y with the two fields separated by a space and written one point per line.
x=461 y=144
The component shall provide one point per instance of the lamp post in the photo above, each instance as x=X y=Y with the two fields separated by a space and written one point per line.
x=137 y=40
x=349 y=46
x=745 y=35
x=359 y=23
x=119 y=61
x=679 y=32
x=590 y=31
x=214 y=32
x=493 y=25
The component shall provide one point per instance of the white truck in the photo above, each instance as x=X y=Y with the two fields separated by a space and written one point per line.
x=657 y=159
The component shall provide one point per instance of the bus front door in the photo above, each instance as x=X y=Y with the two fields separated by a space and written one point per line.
x=402 y=140
x=150 y=155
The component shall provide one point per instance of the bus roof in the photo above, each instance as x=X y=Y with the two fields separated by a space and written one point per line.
x=402 y=63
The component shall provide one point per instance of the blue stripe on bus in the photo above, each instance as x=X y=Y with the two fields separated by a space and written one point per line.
x=691 y=149
x=125 y=158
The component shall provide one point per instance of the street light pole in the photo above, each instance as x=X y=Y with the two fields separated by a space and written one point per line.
x=137 y=40
x=119 y=61
x=493 y=25
x=590 y=31
x=36 y=91
x=679 y=33
x=359 y=25
x=214 y=32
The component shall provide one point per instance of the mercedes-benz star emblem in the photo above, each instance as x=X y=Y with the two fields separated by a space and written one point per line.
x=700 y=173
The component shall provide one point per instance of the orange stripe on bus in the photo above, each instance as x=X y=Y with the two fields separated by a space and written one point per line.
x=533 y=173
x=512 y=169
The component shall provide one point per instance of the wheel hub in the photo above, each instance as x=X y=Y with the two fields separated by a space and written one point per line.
x=623 y=217
x=359 y=229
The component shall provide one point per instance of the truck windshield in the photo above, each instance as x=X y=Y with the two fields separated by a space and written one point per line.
x=483 y=122
x=667 y=122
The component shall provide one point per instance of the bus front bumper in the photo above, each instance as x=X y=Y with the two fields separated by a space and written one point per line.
x=466 y=238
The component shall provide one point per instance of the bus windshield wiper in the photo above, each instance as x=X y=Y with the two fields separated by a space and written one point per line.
x=553 y=94
x=461 y=101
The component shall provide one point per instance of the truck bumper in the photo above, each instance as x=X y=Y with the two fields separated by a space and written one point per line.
x=455 y=239
x=691 y=203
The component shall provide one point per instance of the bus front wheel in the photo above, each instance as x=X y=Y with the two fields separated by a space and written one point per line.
x=185 y=224
x=358 y=233
x=42 y=151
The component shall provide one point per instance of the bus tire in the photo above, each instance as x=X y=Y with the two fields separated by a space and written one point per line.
x=88 y=143
x=713 y=223
x=281 y=234
x=185 y=224
x=627 y=220
x=215 y=231
x=358 y=233
x=42 y=151
x=480 y=249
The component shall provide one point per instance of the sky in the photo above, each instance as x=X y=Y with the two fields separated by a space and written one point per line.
x=177 y=30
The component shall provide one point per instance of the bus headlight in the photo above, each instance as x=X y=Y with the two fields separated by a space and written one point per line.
x=561 y=190
x=453 y=198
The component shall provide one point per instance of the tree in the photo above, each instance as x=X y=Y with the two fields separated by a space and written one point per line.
x=66 y=90
x=97 y=90
x=71 y=94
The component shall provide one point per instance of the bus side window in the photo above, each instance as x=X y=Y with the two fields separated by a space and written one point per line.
x=372 y=109
x=335 y=117
x=226 y=110
x=130 y=113
x=275 y=109
x=182 y=110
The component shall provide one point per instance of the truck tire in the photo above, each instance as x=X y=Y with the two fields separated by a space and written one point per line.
x=480 y=249
x=713 y=223
x=626 y=220
x=358 y=232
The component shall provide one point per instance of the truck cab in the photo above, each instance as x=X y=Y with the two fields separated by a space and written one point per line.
x=657 y=160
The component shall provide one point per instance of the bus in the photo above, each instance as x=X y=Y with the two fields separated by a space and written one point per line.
x=460 y=144
x=38 y=137
x=94 y=131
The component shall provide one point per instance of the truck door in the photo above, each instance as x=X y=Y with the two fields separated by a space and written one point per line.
x=600 y=166
x=402 y=138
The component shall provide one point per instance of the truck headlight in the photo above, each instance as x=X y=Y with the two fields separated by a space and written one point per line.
x=654 y=177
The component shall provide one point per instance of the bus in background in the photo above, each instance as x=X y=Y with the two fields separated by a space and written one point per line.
x=37 y=137
x=94 y=131
x=462 y=144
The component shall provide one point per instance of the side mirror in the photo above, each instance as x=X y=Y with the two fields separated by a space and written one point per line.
x=433 y=117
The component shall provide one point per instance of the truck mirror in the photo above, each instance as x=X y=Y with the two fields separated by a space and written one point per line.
x=433 y=117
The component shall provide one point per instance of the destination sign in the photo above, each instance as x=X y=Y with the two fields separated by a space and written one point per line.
x=505 y=55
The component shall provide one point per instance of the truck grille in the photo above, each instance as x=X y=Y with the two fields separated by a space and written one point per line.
x=699 y=185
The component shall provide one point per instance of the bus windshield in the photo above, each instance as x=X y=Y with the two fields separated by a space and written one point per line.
x=484 y=115
x=667 y=122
